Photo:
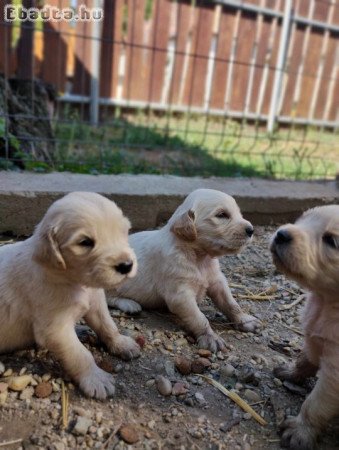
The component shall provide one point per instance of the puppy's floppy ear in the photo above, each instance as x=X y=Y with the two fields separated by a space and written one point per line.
x=184 y=227
x=47 y=251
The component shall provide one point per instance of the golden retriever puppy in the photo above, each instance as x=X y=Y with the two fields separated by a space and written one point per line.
x=178 y=265
x=54 y=278
x=308 y=252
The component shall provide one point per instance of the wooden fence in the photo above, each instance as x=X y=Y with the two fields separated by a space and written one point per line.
x=203 y=56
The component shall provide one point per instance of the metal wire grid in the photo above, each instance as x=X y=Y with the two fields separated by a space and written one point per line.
x=146 y=136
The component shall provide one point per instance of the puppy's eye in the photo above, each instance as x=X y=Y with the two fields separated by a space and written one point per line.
x=222 y=215
x=86 y=242
x=331 y=241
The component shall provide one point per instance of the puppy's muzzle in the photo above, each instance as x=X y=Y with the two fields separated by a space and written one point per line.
x=283 y=237
x=124 y=268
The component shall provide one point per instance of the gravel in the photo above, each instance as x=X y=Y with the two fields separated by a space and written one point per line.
x=158 y=397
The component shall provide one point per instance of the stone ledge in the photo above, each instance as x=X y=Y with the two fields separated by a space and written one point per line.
x=149 y=200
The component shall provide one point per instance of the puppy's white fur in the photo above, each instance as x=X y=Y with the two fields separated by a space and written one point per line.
x=54 y=278
x=310 y=255
x=178 y=264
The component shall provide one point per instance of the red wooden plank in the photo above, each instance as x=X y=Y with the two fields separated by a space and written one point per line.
x=223 y=52
x=185 y=12
x=334 y=109
x=263 y=42
x=245 y=42
x=5 y=41
x=309 y=73
x=55 y=37
x=111 y=47
x=325 y=80
x=292 y=70
x=197 y=70
x=134 y=74
x=83 y=44
x=159 y=56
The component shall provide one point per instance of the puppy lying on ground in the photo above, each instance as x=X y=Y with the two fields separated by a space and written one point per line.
x=178 y=264
x=54 y=278
x=308 y=252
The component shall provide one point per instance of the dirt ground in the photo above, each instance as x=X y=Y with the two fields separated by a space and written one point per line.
x=200 y=416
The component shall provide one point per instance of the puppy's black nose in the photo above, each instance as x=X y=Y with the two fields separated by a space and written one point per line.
x=124 y=267
x=282 y=237
x=249 y=231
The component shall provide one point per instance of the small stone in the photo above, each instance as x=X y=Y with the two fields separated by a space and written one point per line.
x=23 y=371
x=252 y=396
x=81 y=411
x=3 y=387
x=3 y=397
x=163 y=385
x=247 y=374
x=81 y=426
x=183 y=365
x=151 y=424
x=98 y=417
x=2 y=368
x=150 y=383
x=129 y=434
x=106 y=364
x=59 y=446
x=118 y=368
x=8 y=373
x=27 y=393
x=277 y=382
x=181 y=342
x=43 y=389
x=19 y=383
x=46 y=377
x=179 y=388
x=200 y=365
x=200 y=398
x=141 y=341
x=204 y=353
x=169 y=369
x=227 y=371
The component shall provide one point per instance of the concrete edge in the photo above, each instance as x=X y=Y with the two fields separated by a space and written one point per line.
x=149 y=200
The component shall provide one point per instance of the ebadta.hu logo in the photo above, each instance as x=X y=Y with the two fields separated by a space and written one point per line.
x=49 y=13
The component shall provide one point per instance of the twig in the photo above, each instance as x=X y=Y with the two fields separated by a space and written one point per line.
x=293 y=329
x=64 y=405
x=255 y=297
x=235 y=397
x=15 y=441
x=110 y=437
x=293 y=304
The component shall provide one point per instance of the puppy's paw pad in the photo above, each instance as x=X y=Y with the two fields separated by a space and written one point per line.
x=125 y=305
x=297 y=435
x=98 y=384
x=212 y=342
x=126 y=347
x=248 y=323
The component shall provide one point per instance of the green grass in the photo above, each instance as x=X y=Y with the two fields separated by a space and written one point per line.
x=191 y=145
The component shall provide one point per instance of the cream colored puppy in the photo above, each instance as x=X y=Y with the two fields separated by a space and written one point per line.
x=178 y=264
x=54 y=278
x=308 y=252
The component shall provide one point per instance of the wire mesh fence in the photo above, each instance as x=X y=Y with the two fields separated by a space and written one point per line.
x=187 y=87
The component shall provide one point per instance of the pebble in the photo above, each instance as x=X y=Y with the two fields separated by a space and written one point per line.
x=200 y=365
x=181 y=342
x=43 y=389
x=277 y=382
x=183 y=365
x=252 y=396
x=3 y=397
x=98 y=417
x=204 y=353
x=141 y=341
x=294 y=388
x=27 y=393
x=200 y=398
x=59 y=446
x=19 y=383
x=81 y=426
x=129 y=434
x=169 y=369
x=227 y=370
x=3 y=387
x=2 y=368
x=179 y=388
x=81 y=411
x=163 y=385
x=8 y=373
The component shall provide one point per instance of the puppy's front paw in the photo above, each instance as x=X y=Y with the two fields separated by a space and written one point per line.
x=297 y=435
x=286 y=372
x=125 y=347
x=97 y=383
x=248 y=323
x=211 y=341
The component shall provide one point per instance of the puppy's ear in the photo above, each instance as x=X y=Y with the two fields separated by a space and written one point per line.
x=47 y=251
x=184 y=227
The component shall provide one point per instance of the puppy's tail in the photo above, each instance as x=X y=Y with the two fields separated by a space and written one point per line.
x=125 y=304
